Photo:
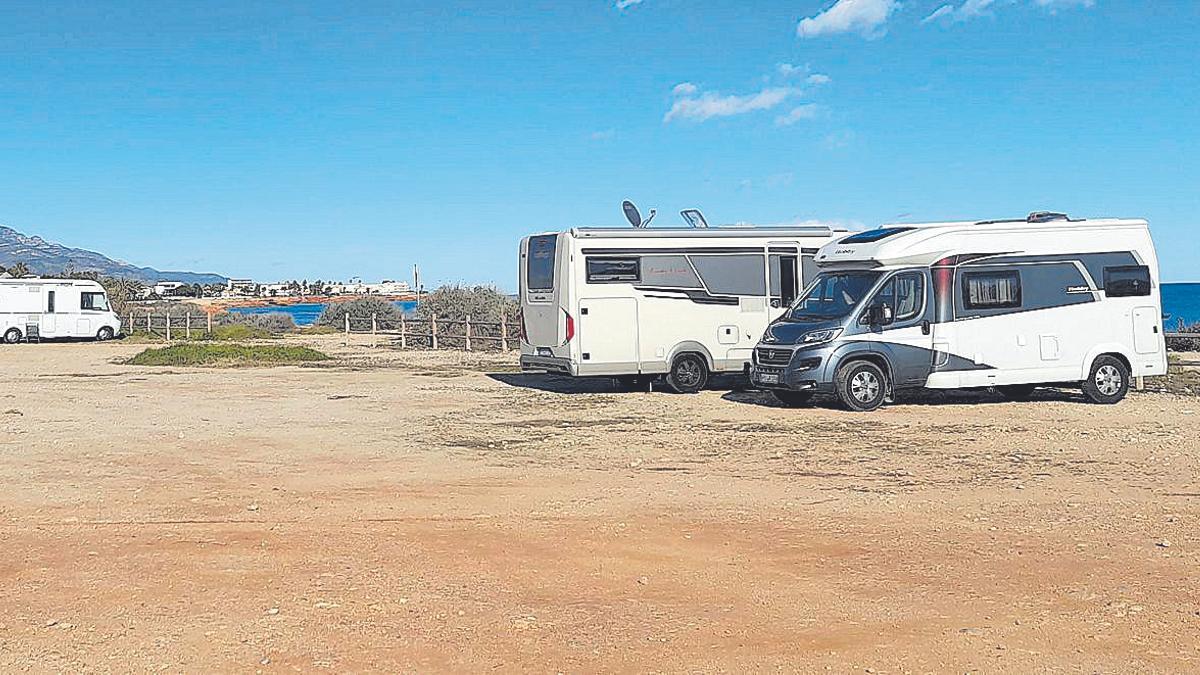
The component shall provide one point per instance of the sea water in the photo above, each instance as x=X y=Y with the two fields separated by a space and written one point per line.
x=1180 y=301
x=306 y=313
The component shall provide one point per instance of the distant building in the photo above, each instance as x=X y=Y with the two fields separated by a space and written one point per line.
x=165 y=288
x=240 y=288
x=355 y=286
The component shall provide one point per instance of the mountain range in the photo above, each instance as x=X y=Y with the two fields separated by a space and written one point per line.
x=48 y=258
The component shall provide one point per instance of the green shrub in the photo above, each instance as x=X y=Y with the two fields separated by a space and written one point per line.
x=484 y=304
x=387 y=315
x=1186 y=344
x=272 y=322
x=194 y=354
x=237 y=331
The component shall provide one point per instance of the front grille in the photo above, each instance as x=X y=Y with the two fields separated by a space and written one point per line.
x=772 y=356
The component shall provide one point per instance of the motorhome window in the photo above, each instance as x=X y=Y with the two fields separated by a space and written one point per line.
x=610 y=270
x=784 y=278
x=991 y=290
x=93 y=301
x=1126 y=281
x=668 y=271
x=874 y=235
x=833 y=295
x=742 y=274
x=50 y=302
x=905 y=294
x=539 y=268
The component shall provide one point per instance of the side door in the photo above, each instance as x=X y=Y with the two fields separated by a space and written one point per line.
x=608 y=336
x=906 y=340
x=48 y=325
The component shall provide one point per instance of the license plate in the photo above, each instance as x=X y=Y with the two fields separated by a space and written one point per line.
x=769 y=378
x=545 y=351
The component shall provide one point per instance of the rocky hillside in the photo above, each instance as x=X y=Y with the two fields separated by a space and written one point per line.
x=48 y=258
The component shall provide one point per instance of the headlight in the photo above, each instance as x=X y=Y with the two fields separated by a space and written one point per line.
x=818 y=336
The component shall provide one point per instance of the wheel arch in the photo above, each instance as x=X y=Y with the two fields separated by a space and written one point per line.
x=859 y=354
x=688 y=347
x=1106 y=349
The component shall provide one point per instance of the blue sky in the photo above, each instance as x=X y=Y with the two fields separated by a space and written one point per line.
x=312 y=139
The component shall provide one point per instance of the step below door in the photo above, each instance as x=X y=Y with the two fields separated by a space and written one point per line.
x=608 y=335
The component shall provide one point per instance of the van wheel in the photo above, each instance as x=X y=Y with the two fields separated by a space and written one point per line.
x=791 y=399
x=1016 y=392
x=12 y=336
x=103 y=334
x=1108 y=382
x=860 y=386
x=689 y=374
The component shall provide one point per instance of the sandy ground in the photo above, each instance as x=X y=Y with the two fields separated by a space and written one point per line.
x=410 y=512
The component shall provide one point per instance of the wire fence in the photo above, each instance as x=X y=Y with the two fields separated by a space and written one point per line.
x=408 y=332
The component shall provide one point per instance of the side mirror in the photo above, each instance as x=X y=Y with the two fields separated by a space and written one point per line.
x=878 y=315
x=886 y=315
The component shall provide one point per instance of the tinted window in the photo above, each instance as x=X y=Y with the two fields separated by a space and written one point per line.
x=833 y=295
x=539 y=269
x=1126 y=281
x=905 y=294
x=609 y=270
x=668 y=271
x=874 y=235
x=991 y=290
x=95 y=301
x=732 y=274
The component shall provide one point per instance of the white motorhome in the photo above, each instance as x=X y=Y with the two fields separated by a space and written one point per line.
x=55 y=308
x=638 y=303
x=1006 y=304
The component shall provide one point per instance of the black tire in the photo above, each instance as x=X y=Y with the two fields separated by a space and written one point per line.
x=1108 y=381
x=860 y=386
x=688 y=374
x=1016 y=392
x=792 y=399
x=12 y=336
x=632 y=383
x=104 y=333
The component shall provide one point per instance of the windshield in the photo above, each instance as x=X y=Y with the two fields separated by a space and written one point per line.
x=833 y=295
x=93 y=301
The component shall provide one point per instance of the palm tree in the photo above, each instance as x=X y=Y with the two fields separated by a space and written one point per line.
x=18 y=270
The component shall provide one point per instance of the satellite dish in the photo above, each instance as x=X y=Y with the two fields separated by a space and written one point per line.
x=694 y=218
x=634 y=217
x=631 y=213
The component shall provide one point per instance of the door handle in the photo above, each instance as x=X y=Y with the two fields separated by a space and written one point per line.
x=925 y=327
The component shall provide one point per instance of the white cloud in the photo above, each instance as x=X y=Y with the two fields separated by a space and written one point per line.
x=700 y=107
x=684 y=89
x=626 y=4
x=971 y=9
x=938 y=13
x=603 y=135
x=818 y=79
x=866 y=17
x=789 y=70
x=800 y=112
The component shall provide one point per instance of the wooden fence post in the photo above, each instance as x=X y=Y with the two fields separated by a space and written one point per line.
x=210 y=323
x=346 y=316
x=403 y=337
x=148 y=324
x=168 y=325
x=187 y=326
x=503 y=332
x=130 y=324
x=433 y=330
x=468 y=332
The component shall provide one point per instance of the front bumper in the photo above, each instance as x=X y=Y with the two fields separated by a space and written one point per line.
x=549 y=364
x=804 y=371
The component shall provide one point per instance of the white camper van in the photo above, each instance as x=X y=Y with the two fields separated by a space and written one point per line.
x=55 y=308
x=638 y=303
x=1008 y=304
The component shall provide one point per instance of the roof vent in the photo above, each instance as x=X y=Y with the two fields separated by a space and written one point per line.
x=1045 y=217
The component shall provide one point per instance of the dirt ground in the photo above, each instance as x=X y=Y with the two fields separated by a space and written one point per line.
x=421 y=512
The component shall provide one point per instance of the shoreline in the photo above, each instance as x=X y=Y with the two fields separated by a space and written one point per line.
x=225 y=303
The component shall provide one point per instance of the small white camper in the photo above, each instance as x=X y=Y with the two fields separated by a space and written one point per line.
x=55 y=308
x=638 y=303
x=1006 y=304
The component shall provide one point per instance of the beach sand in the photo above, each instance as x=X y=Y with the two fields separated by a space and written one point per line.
x=397 y=512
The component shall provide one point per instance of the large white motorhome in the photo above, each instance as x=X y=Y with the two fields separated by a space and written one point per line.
x=1006 y=304
x=55 y=308
x=639 y=303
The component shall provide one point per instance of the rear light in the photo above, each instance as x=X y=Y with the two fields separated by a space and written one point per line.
x=524 y=331
x=570 y=327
